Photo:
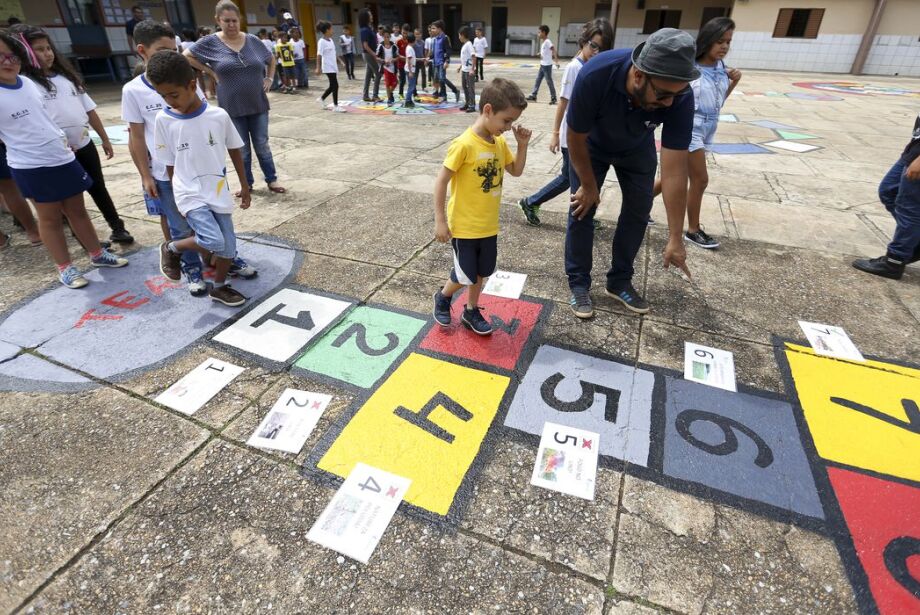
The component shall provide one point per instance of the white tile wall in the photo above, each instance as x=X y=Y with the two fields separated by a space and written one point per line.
x=894 y=55
x=830 y=53
x=61 y=39
x=118 y=38
x=630 y=37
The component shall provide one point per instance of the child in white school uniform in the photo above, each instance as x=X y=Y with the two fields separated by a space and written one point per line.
x=480 y=44
x=73 y=111
x=548 y=57
x=42 y=165
x=467 y=69
x=327 y=62
x=192 y=140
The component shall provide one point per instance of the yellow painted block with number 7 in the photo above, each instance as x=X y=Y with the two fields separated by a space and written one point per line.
x=426 y=422
x=860 y=414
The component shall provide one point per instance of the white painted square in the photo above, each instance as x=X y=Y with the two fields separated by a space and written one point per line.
x=830 y=341
x=792 y=146
x=709 y=366
x=276 y=339
x=506 y=284
x=567 y=461
x=730 y=118
x=290 y=421
x=360 y=512
x=197 y=387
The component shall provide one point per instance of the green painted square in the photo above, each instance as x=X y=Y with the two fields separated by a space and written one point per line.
x=362 y=347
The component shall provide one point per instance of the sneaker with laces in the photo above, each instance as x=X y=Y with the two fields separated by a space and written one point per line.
x=339 y=109
x=885 y=266
x=530 y=212
x=630 y=298
x=702 y=239
x=107 y=259
x=71 y=278
x=196 y=284
x=227 y=295
x=241 y=269
x=170 y=265
x=532 y=98
x=581 y=304
x=472 y=319
x=441 y=309
x=120 y=235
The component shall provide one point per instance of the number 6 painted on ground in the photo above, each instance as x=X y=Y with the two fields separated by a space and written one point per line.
x=728 y=426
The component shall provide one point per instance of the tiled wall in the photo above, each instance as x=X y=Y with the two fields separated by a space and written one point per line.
x=894 y=55
x=60 y=38
x=630 y=37
x=829 y=53
x=118 y=38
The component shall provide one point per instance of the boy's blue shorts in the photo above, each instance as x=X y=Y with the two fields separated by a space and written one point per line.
x=473 y=258
x=213 y=231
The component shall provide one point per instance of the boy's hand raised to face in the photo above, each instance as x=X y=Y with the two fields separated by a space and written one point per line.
x=441 y=232
x=521 y=134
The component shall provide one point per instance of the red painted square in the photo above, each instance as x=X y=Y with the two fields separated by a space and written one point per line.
x=884 y=520
x=512 y=321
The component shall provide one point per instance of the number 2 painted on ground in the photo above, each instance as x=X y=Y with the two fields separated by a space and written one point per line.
x=359 y=332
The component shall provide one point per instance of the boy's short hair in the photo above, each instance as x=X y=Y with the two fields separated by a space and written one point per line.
x=284 y=34
x=544 y=29
x=148 y=31
x=502 y=94
x=438 y=24
x=466 y=32
x=169 y=67
x=478 y=29
x=322 y=26
x=406 y=26
x=410 y=37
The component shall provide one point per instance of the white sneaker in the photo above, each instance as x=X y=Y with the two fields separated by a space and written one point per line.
x=321 y=102
x=329 y=107
x=339 y=109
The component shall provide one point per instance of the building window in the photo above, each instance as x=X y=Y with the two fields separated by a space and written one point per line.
x=798 y=23
x=656 y=20
x=711 y=12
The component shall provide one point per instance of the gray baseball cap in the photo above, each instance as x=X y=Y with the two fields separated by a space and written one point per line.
x=668 y=53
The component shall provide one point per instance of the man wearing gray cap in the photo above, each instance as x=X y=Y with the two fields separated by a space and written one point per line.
x=619 y=99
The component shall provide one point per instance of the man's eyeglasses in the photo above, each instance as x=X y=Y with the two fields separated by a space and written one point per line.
x=9 y=58
x=664 y=94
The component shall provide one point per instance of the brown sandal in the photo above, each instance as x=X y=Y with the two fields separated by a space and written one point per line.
x=277 y=189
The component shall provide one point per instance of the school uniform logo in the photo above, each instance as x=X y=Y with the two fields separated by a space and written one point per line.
x=18 y=115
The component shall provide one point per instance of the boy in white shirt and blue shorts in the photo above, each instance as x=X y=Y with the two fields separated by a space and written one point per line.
x=192 y=139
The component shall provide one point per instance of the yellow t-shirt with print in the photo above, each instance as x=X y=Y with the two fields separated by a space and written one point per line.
x=476 y=187
x=285 y=52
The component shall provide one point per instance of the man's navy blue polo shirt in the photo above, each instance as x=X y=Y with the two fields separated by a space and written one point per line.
x=601 y=107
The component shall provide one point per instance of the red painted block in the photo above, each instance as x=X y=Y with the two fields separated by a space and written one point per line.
x=513 y=320
x=884 y=520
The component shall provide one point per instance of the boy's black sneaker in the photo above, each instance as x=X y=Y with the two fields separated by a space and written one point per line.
x=552 y=101
x=441 y=309
x=530 y=212
x=409 y=104
x=472 y=319
x=470 y=109
x=702 y=239
x=457 y=94
x=886 y=266
x=120 y=235
x=390 y=102
x=227 y=295
x=630 y=298
x=532 y=98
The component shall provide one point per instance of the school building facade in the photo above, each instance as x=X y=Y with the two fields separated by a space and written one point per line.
x=879 y=37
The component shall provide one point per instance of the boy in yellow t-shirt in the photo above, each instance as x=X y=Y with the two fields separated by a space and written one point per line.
x=474 y=167
x=284 y=52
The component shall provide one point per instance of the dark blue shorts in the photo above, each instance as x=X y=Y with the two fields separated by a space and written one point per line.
x=4 y=167
x=473 y=258
x=52 y=184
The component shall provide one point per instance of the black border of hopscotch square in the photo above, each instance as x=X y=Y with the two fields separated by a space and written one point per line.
x=837 y=527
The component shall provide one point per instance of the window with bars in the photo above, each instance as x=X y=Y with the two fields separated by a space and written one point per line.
x=656 y=20
x=798 y=23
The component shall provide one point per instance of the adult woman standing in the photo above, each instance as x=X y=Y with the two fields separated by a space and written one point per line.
x=372 y=68
x=243 y=69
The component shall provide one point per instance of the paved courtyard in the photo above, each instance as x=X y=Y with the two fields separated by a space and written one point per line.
x=778 y=501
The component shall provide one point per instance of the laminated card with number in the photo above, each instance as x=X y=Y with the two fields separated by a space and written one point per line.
x=290 y=421
x=360 y=511
x=567 y=460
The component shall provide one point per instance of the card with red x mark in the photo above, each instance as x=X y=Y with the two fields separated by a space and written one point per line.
x=567 y=460
x=360 y=512
x=290 y=421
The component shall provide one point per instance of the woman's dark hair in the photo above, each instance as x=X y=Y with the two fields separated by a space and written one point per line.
x=60 y=65
x=16 y=47
x=189 y=35
x=710 y=33
x=364 y=18
x=322 y=26
x=593 y=28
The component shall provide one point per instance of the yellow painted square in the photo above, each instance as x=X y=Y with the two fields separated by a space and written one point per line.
x=380 y=438
x=850 y=436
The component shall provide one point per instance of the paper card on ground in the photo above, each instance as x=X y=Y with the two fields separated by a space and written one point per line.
x=506 y=284
x=567 y=460
x=290 y=421
x=830 y=341
x=360 y=511
x=709 y=366
x=792 y=146
x=197 y=387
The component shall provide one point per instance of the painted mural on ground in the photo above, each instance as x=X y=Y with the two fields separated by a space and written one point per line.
x=838 y=455
x=855 y=87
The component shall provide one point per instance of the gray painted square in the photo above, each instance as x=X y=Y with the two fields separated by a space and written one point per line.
x=785 y=480
x=626 y=438
x=8 y=351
